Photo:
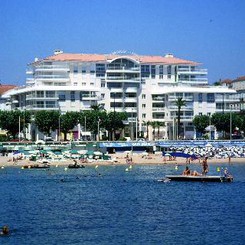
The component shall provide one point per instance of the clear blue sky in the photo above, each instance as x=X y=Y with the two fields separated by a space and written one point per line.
x=208 y=31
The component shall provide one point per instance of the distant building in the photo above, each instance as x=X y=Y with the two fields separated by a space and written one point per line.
x=239 y=85
x=144 y=86
x=3 y=100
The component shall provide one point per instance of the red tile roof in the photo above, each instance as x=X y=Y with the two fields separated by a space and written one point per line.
x=226 y=81
x=239 y=79
x=107 y=57
x=5 y=88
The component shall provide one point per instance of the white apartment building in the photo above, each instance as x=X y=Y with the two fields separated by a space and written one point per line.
x=144 y=86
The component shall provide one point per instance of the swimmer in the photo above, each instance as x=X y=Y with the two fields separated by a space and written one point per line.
x=5 y=230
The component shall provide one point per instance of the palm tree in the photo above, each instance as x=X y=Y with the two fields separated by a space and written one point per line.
x=147 y=124
x=98 y=107
x=159 y=125
x=154 y=126
x=179 y=103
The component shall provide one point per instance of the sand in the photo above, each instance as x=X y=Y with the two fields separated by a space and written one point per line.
x=119 y=159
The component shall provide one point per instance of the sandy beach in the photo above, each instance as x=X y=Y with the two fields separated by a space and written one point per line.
x=119 y=159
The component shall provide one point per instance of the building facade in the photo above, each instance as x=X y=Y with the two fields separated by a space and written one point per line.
x=144 y=86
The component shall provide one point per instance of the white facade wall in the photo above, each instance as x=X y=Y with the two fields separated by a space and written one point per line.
x=70 y=76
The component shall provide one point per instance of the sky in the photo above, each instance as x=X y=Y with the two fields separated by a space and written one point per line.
x=211 y=32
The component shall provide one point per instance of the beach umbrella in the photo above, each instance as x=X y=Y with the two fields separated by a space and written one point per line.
x=74 y=152
x=98 y=153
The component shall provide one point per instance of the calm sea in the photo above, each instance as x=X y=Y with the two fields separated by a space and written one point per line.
x=108 y=205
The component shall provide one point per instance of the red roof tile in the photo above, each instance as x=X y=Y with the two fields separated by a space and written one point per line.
x=106 y=57
x=239 y=79
x=5 y=88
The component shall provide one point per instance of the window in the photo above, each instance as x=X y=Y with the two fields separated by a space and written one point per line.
x=40 y=104
x=143 y=96
x=91 y=84
x=62 y=97
x=153 y=71
x=50 y=94
x=102 y=96
x=143 y=115
x=145 y=70
x=40 y=94
x=73 y=96
x=143 y=105
x=200 y=98
x=100 y=70
x=50 y=104
x=169 y=72
x=102 y=84
x=161 y=72
x=83 y=84
x=75 y=69
x=210 y=98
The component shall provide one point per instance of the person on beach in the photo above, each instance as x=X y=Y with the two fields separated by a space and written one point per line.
x=205 y=166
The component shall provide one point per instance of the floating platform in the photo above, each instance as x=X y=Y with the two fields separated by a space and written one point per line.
x=75 y=166
x=36 y=166
x=201 y=178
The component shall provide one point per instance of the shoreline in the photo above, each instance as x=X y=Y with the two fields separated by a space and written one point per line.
x=120 y=159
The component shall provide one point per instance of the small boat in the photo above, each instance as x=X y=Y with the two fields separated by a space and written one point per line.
x=76 y=166
x=200 y=178
x=36 y=166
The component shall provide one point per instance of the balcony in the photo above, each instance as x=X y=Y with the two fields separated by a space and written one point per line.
x=158 y=109
x=189 y=71
x=35 y=97
x=123 y=79
x=158 y=99
x=130 y=109
x=130 y=99
x=194 y=80
x=29 y=72
x=30 y=81
x=116 y=69
x=131 y=89
x=90 y=97
x=52 y=68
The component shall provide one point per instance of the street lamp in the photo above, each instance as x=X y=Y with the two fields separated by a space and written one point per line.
x=98 y=136
x=19 y=128
x=230 y=122
x=59 y=129
x=114 y=115
x=132 y=125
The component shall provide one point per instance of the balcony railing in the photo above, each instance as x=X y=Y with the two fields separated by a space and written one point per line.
x=52 y=68
x=123 y=69
x=122 y=78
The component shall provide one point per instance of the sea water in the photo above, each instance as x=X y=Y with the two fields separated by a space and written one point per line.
x=120 y=205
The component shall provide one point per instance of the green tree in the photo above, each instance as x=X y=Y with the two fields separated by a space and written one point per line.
x=47 y=121
x=222 y=122
x=179 y=103
x=201 y=122
x=94 y=118
x=114 y=122
x=13 y=121
x=68 y=121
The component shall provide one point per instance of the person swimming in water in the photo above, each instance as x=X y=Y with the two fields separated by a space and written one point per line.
x=5 y=230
